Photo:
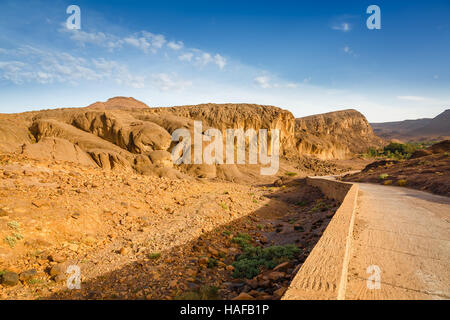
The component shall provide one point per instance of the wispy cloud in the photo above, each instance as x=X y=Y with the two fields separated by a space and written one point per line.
x=46 y=67
x=166 y=82
x=349 y=51
x=146 y=42
x=186 y=56
x=263 y=82
x=344 y=27
x=175 y=45
x=267 y=82
x=411 y=98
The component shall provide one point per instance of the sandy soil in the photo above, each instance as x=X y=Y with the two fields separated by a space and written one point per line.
x=137 y=237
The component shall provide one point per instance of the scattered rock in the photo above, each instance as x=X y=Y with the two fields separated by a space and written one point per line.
x=56 y=258
x=279 y=293
x=60 y=277
x=243 y=296
x=57 y=269
x=28 y=275
x=3 y=213
x=281 y=266
x=124 y=251
x=9 y=278
x=213 y=251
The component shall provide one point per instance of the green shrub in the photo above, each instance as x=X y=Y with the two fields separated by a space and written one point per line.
x=242 y=239
x=291 y=174
x=224 y=206
x=154 y=256
x=383 y=176
x=227 y=232
x=10 y=241
x=250 y=262
x=14 y=225
x=212 y=263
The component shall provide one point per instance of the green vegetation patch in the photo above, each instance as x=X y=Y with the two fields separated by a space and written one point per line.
x=383 y=176
x=253 y=259
x=242 y=239
x=154 y=255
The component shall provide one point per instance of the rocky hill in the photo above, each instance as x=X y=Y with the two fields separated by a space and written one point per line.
x=335 y=135
x=123 y=133
x=425 y=129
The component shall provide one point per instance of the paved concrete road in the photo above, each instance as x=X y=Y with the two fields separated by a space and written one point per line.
x=406 y=234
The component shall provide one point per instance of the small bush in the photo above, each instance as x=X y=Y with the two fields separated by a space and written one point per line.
x=224 y=206
x=250 y=262
x=291 y=174
x=387 y=182
x=17 y=235
x=14 y=225
x=383 y=176
x=402 y=183
x=242 y=239
x=212 y=263
x=10 y=241
x=154 y=256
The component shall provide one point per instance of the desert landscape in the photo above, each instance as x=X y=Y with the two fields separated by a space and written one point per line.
x=223 y=159
x=96 y=187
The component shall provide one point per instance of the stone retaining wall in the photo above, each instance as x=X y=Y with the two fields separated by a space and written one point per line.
x=323 y=275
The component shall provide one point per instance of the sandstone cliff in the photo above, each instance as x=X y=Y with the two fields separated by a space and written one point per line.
x=335 y=135
x=125 y=134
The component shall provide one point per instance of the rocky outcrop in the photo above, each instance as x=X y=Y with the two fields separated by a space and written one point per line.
x=240 y=116
x=59 y=150
x=119 y=103
x=125 y=134
x=124 y=131
x=335 y=135
x=14 y=133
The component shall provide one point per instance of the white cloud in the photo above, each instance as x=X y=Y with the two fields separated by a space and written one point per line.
x=175 y=45
x=165 y=82
x=204 y=59
x=156 y=40
x=186 y=56
x=263 y=82
x=411 y=98
x=140 y=43
x=146 y=42
x=344 y=27
x=349 y=51
x=46 y=67
x=220 y=61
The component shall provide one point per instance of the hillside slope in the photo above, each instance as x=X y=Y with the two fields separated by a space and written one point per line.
x=125 y=134
x=335 y=135
x=425 y=129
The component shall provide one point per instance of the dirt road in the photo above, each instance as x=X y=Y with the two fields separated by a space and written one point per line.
x=405 y=235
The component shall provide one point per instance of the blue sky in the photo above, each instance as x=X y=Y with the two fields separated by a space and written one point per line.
x=305 y=56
